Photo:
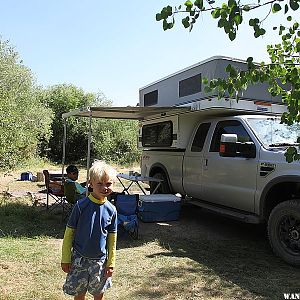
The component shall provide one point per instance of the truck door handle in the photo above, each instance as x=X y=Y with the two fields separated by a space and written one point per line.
x=205 y=164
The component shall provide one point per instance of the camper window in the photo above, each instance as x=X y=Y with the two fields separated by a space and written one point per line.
x=158 y=134
x=190 y=86
x=151 y=98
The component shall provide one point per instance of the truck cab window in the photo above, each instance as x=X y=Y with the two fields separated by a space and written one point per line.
x=200 y=137
x=223 y=127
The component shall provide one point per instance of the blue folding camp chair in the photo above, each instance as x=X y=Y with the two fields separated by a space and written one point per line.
x=127 y=208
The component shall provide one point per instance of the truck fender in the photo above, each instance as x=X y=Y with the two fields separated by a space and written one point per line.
x=266 y=204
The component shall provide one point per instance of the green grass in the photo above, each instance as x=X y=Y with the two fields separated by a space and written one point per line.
x=202 y=256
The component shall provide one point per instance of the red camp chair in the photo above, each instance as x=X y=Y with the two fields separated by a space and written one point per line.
x=55 y=190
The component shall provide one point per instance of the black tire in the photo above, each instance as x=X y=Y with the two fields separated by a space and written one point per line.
x=164 y=187
x=284 y=231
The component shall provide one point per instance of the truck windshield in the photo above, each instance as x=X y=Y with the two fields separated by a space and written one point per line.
x=274 y=134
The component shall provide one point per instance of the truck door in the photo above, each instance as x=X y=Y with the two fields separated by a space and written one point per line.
x=229 y=181
x=193 y=163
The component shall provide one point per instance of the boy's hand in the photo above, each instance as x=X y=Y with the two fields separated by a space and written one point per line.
x=66 y=267
x=108 y=272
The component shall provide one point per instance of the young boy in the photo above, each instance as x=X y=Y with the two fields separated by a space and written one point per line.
x=89 y=245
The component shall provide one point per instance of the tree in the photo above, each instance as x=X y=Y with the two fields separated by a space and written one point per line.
x=112 y=140
x=282 y=73
x=61 y=99
x=24 y=121
x=115 y=141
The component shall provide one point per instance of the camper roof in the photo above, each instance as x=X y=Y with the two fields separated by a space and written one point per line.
x=210 y=59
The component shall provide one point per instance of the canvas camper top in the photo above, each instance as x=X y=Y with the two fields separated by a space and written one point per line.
x=185 y=86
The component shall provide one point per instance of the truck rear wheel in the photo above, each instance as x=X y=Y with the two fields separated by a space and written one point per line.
x=164 y=187
x=284 y=231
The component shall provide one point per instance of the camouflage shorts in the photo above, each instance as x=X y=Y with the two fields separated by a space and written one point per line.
x=86 y=275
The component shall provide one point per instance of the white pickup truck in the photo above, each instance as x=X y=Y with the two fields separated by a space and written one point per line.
x=234 y=165
x=225 y=155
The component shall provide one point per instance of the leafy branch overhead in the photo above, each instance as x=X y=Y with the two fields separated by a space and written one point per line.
x=282 y=72
x=229 y=15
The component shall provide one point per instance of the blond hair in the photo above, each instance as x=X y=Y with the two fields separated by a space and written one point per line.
x=100 y=170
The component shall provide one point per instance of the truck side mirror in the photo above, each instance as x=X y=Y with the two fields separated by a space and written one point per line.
x=230 y=147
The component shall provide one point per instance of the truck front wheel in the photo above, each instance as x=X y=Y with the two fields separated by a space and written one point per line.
x=164 y=187
x=284 y=231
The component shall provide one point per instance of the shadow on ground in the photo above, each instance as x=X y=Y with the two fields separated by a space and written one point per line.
x=18 y=219
x=225 y=254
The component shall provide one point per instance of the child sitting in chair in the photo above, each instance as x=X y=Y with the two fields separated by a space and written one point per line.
x=72 y=176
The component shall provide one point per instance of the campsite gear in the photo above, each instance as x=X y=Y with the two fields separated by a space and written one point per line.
x=159 y=207
x=26 y=176
x=127 y=207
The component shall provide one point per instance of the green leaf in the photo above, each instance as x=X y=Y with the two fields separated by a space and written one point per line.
x=232 y=35
x=231 y=3
x=276 y=7
x=207 y=89
x=186 y=22
x=262 y=31
x=205 y=80
x=228 y=68
x=227 y=27
x=158 y=17
x=246 y=7
x=250 y=60
x=169 y=10
x=298 y=47
x=253 y=22
x=199 y=4
x=221 y=23
x=188 y=3
x=165 y=25
x=294 y=5
x=286 y=8
x=289 y=18
x=288 y=157
x=238 y=19
x=216 y=13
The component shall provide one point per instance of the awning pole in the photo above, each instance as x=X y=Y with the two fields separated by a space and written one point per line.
x=64 y=147
x=89 y=151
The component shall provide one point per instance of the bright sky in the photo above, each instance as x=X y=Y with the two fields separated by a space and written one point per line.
x=115 y=47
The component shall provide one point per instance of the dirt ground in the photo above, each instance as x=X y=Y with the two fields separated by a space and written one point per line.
x=198 y=222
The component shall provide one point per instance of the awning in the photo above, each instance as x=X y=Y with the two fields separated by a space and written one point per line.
x=129 y=112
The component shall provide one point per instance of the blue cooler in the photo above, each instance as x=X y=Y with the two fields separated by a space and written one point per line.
x=159 y=207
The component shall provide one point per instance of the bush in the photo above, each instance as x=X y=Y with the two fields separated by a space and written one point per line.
x=24 y=121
